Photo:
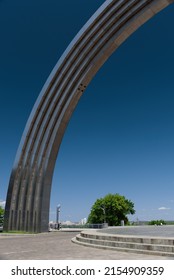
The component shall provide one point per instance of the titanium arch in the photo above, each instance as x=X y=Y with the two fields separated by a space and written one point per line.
x=28 y=198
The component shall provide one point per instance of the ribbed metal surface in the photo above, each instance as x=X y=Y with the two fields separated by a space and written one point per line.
x=28 y=198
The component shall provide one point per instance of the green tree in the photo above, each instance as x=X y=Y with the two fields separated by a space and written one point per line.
x=111 y=209
x=157 y=222
x=1 y=216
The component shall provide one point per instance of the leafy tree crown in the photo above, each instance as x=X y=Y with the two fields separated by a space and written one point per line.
x=112 y=209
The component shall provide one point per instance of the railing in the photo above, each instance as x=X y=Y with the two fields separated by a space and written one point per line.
x=95 y=226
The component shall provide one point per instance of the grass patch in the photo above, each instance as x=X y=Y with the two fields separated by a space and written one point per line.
x=18 y=232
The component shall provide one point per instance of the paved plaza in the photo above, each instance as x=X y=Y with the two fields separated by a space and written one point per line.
x=152 y=231
x=58 y=246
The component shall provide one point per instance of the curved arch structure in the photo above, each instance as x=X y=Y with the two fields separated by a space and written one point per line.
x=28 y=198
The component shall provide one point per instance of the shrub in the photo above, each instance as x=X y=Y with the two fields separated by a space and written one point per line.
x=157 y=222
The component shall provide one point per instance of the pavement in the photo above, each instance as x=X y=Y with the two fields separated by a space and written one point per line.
x=164 y=231
x=58 y=246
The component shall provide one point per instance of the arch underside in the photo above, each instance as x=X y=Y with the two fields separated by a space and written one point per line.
x=28 y=198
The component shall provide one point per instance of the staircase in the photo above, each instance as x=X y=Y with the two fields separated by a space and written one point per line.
x=136 y=244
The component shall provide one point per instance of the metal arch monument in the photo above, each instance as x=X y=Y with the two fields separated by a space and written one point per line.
x=28 y=197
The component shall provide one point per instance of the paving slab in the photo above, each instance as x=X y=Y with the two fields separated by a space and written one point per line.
x=58 y=246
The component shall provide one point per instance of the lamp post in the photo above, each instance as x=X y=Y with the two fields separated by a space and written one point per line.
x=104 y=212
x=58 y=215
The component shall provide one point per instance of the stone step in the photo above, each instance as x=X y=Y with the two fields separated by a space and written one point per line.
x=125 y=246
x=129 y=239
x=135 y=251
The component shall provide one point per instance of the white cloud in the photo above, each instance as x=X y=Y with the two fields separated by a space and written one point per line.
x=163 y=208
x=2 y=203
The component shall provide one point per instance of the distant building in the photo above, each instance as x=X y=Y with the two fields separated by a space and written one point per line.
x=83 y=221
x=67 y=223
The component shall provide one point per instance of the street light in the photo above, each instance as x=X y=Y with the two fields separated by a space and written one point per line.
x=58 y=214
x=104 y=212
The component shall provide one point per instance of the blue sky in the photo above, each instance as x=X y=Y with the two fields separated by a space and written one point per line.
x=121 y=136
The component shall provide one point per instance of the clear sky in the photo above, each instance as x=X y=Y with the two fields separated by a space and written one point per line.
x=121 y=136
